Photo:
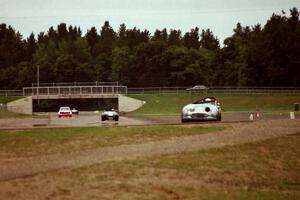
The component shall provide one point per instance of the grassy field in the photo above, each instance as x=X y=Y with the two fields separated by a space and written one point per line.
x=60 y=140
x=8 y=99
x=171 y=104
x=266 y=170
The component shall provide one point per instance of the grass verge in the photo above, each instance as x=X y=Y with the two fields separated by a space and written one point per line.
x=266 y=170
x=4 y=114
x=8 y=99
x=47 y=141
x=171 y=104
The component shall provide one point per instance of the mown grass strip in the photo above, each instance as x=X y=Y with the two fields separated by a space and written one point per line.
x=265 y=170
x=41 y=141
x=4 y=99
x=171 y=104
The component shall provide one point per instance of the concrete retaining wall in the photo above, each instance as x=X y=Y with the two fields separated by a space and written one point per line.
x=128 y=104
x=22 y=106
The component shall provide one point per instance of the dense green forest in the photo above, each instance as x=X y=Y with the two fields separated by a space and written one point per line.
x=252 y=56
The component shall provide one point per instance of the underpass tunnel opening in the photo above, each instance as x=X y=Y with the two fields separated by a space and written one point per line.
x=88 y=104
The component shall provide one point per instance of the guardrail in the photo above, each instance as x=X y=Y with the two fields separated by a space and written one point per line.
x=10 y=93
x=74 y=90
x=254 y=90
x=157 y=90
x=27 y=91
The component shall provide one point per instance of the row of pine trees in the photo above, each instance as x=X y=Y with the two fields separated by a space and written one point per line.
x=266 y=55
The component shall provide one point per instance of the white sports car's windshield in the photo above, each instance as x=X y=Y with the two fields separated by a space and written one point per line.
x=205 y=100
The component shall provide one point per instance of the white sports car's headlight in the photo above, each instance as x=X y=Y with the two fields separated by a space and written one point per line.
x=192 y=109
x=187 y=110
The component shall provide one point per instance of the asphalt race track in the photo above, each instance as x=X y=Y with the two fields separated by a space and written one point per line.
x=92 y=119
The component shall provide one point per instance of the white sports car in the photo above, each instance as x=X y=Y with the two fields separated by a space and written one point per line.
x=75 y=111
x=111 y=114
x=207 y=108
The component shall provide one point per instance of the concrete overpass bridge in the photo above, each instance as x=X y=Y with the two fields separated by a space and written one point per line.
x=82 y=97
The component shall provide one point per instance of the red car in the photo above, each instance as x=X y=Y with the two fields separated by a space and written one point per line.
x=64 y=112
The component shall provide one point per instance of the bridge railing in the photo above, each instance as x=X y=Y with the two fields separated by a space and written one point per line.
x=74 y=90
x=60 y=84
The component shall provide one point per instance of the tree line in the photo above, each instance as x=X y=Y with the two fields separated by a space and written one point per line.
x=252 y=56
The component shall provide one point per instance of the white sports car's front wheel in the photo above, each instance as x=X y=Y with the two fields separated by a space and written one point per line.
x=219 y=117
x=183 y=120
